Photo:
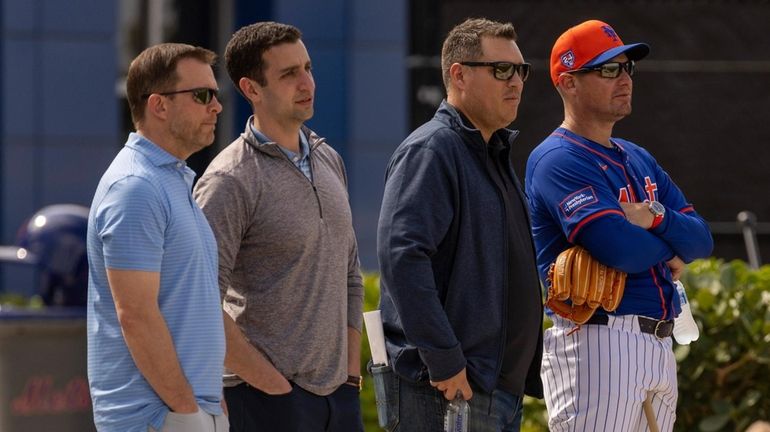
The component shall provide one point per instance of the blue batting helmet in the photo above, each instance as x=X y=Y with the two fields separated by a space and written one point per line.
x=54 y=239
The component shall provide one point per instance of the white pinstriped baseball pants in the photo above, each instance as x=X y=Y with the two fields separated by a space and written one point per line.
x=596 y=378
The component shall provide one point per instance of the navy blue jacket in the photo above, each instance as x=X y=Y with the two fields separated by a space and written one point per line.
x=444 y=267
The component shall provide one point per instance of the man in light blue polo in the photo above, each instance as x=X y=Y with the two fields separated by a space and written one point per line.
x=155 y=334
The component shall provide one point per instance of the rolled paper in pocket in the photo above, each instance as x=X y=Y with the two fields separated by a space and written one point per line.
x=376 y=337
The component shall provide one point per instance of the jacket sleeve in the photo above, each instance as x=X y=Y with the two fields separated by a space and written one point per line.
x=225 y=203
x=682 y=227
x=355 y=281
x=417 y=211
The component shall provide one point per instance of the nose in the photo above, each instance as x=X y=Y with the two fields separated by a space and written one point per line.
x=215 y=105
x=625 y=78
x=515 y=80
x=307 y=82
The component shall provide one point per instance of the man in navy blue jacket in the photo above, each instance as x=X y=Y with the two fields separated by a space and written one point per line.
x=460 y=297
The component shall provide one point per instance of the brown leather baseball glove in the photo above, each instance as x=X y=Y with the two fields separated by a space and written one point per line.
x=587 y=283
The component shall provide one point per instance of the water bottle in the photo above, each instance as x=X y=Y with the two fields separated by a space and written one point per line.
x=685 y=328
x=457 y=413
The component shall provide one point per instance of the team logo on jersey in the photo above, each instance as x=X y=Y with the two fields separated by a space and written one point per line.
x=568 y=59
x=623 y=195
x=650 y=188
x=577 y=200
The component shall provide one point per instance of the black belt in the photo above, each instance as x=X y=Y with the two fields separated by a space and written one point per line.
x=661 y=329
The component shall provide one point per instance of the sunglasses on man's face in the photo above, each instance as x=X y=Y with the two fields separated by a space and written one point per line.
x=612 y=69
x=504 y=70
x=201 y=95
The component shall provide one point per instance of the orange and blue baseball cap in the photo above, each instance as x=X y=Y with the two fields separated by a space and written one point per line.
x=588 y=44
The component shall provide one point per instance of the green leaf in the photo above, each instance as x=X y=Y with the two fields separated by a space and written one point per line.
x=714 y=423
x=721 y=406
x=751 y=399
x=681 y=352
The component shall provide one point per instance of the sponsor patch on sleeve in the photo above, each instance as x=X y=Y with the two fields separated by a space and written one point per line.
x=577 y=200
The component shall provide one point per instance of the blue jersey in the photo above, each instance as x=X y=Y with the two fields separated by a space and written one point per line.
x=574 y=187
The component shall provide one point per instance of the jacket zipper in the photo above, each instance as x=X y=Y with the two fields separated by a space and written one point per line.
x=504 y=333
x=312 y=182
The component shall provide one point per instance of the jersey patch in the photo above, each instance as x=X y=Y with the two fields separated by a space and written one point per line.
x=578 y=200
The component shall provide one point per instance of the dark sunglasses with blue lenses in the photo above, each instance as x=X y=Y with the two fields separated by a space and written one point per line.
x=202 y=95
x=612 y=69
x=504 y=70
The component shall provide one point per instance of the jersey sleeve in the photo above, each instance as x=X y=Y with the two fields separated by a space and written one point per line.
x=574 y=190
x=131 y=222
x=570 y=191
x=683 y=228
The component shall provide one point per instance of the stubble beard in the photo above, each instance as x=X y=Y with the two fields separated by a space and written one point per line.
x=191 y=138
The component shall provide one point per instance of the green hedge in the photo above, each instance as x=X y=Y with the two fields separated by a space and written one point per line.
x=724 y=377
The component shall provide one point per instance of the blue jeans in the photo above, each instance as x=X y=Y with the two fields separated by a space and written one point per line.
x=418 y=407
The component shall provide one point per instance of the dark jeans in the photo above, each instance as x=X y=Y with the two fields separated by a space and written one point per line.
x=420 y=408
x=298 y=411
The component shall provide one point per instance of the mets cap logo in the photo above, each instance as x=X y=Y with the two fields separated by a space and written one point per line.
x=610 y=33
x=568 y=59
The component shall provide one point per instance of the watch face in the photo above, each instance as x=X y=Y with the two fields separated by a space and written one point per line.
x=657 y=208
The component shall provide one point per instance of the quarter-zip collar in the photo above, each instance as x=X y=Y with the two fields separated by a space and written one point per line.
x=273 y=149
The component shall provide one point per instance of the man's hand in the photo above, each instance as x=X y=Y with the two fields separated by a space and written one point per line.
x=638 y=214
x=223 y=404
x=677 y=267
x=250 y=364
x=451 y=386
x=275 y=384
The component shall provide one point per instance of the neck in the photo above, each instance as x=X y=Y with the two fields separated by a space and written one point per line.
x=286 y=136
x=165 y=141
x=486 y=133
x=596 y=131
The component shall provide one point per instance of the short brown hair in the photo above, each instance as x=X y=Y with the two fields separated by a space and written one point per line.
x=243 y=55
x=463 y=43
x=154 y=70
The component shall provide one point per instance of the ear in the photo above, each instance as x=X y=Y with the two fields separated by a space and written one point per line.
x=156 y=107
x=250 y=89
x=457 y=76
x=567 y=82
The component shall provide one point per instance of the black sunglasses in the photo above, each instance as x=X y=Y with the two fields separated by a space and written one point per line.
x=612 y=69
x=201 y=95
x=504 y=70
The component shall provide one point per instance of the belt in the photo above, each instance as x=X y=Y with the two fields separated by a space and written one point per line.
x=659 y=328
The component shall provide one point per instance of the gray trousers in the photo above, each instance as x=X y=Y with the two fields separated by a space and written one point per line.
x=200 y=421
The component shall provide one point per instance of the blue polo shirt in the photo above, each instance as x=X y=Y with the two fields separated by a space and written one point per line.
x=143 y=217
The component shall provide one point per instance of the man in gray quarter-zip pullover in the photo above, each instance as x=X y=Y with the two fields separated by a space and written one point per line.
x=277 y=201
